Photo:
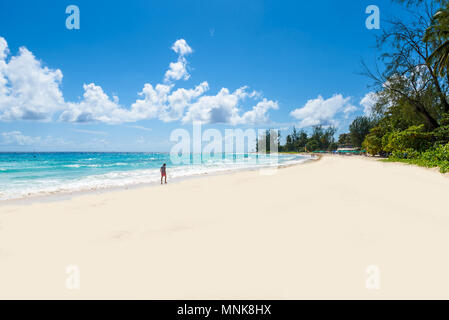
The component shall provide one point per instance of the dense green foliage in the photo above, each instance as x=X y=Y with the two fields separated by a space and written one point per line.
x=409 y=121
x=414 y=137
x=344 y=139
x=439 y=31
x=359 y=129
x=412 y=107
x=437 y=156
x=320 y=139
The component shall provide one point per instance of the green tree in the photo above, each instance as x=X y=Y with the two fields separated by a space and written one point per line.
x=313 y=145
x=412 y=108
x=323 y=137
x=408 y=78
x=269 y=137
x=359 y=129
x=438 y=33
x=344 y=139
x=301 y=141
x=373 y=141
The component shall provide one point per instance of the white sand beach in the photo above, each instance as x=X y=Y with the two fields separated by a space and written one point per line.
x=307 y=232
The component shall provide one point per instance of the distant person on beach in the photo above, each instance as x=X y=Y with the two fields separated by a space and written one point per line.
x=164 y=173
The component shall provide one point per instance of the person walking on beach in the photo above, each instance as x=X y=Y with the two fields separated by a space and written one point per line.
x=164 y=173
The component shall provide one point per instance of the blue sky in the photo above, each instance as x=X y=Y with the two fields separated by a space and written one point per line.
x=281 y=63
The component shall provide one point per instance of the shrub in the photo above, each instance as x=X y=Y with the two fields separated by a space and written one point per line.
x=406 y=154
x=373 y=141
x=437 y=156
x=414 y=138
x=439 y=153
x=441 y=134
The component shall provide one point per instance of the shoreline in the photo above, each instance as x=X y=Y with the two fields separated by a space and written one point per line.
x=67 y=195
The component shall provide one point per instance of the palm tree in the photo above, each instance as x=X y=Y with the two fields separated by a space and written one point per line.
x=438 y=32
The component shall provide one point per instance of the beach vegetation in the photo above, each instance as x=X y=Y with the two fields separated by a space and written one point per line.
x=344 y=139
x=409 y=117
x=268 y=139
x=320 y=139
x=437 y=156
x=359 y=129
x=411 y=111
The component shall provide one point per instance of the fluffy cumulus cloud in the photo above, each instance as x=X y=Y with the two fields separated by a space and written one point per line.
x=259 y=113
x=28 y=90
x=31 y=91
x=322 y=111
x=178 y=70
x=181 y=47
x=179 y=99
x=220 y=108
x=368 y=102
x=95 y=106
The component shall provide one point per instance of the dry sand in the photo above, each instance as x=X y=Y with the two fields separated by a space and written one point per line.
x=308 y=231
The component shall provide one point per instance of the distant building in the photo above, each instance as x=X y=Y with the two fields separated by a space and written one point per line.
x=347 y=149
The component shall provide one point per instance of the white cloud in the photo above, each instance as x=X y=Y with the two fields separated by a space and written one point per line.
x=178 y=70
x=349 y=109
x=368 y=102
x=95 y=106
x=153 y=102
x=221 y=108
x=3 y=48
x=181 y=47
x=30 y=91
x=322 y=112
x=258 y=114
x=180 y=99
x=140 y=128
x=3 y=66
x=17 y=138
x=90 y=131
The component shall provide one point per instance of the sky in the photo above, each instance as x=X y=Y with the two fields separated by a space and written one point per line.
x=135 y=71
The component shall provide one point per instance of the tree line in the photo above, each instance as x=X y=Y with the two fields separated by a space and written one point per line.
x=411 y=112
x=323 y=139
x=410 y=117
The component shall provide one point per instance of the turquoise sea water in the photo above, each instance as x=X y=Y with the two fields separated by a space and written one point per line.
x=30 y=174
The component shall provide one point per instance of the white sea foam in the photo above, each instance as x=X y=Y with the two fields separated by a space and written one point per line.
x=113 y=179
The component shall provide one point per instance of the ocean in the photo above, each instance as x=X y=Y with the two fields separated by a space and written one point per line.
x=32 y=174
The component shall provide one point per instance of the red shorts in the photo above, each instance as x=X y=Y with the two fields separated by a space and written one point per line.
x=163 y=175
